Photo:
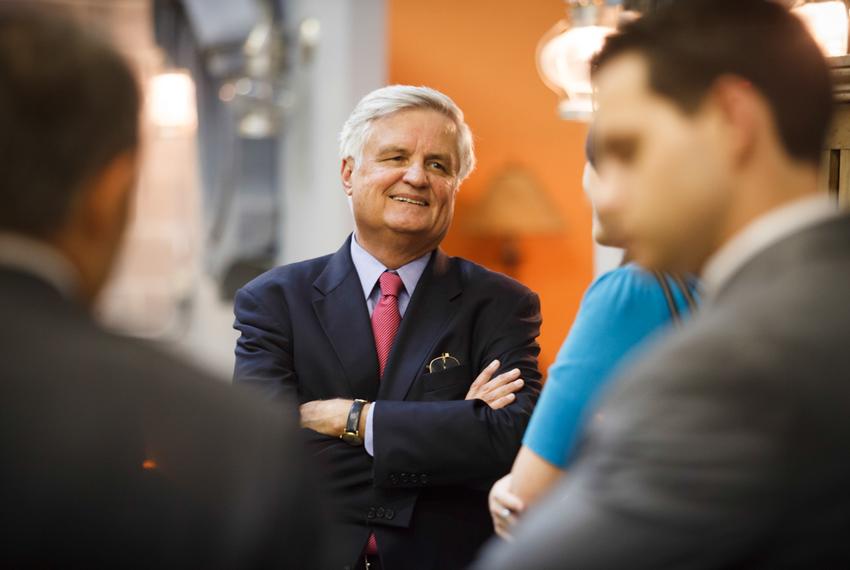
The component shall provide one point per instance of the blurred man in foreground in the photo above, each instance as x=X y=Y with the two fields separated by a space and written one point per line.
x=727 y=446
x=113 y=455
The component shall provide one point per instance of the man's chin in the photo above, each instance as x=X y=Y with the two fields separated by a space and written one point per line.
x=412 y=227
x=417 y=237
x=607 y=240
x=407 y=232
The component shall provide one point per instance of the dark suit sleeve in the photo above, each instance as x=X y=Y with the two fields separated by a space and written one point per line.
x=450 y=442
x=682 y=468
x=263 y=350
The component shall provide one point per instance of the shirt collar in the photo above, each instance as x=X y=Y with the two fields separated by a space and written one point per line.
x=37 y=258
x=760 y=234
x=369 y=269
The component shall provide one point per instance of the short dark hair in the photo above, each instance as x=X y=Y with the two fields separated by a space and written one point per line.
x=69 y=104
x=688 y=44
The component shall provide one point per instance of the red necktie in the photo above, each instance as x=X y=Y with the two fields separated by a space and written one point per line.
x=386 y=319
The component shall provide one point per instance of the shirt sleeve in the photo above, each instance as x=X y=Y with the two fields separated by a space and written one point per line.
x=369 y=440
x=620 y=310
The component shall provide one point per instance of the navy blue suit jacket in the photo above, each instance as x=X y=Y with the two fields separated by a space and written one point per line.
x=306 y=334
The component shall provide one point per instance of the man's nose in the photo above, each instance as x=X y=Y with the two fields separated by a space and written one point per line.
x=415 y=176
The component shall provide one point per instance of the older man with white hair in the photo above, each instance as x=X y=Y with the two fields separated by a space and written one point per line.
x=381 y=341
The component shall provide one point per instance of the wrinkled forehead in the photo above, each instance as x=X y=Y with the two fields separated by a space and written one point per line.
x=412 y=126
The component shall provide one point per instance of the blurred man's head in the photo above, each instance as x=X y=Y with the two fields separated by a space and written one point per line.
x=710 y=113
x=405 y=151
x=69 y=108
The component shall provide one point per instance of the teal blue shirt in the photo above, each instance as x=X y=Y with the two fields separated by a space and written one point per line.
x=620 y=310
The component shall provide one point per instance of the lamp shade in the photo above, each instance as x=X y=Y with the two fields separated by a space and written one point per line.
x=514 y=204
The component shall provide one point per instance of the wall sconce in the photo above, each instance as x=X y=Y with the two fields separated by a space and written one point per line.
x=259 y=95
x=564 y=52
x=514 y=205
x=827 y=22
x=171 y=102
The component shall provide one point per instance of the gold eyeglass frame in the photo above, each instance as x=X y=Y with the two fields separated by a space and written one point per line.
x=442 y=363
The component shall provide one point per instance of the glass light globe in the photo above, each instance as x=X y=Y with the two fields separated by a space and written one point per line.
x=564 y=53
x=827 y=22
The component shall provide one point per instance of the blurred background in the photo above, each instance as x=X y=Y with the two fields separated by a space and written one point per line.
x=244 y=102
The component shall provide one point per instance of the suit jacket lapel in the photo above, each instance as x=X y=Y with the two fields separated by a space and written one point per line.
x=428 y=313
x=341 y=309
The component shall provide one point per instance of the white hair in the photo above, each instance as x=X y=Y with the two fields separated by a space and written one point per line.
x=392 y=99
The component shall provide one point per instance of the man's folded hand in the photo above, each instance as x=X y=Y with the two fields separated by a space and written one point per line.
x=496 y=392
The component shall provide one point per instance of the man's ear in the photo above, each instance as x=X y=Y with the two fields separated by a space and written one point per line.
x=94 y=227
x=743 y=112
x=346 y=169
x=106 y=200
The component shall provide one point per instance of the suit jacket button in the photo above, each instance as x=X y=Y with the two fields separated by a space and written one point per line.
x=393 y=479
x=404 y=477
x=389 y=514
x=380 y=512
x=423 y=479
x=371 y=513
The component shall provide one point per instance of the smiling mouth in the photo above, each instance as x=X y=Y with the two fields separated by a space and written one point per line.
x=409 y=201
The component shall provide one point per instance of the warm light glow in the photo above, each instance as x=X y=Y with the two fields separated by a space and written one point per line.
x=564 y=62
x=171 y=101
x=827 y=22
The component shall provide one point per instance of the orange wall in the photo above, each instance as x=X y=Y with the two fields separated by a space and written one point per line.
x=481 y=53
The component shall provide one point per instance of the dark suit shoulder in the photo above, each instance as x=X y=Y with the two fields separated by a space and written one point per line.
x=298 y=273
x=135 y=376
x=478 y=276
x=171 y=463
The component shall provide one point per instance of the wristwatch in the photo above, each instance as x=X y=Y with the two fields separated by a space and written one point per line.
x=351 y=435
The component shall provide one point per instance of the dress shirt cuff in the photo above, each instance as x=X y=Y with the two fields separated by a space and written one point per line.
x=368 y=442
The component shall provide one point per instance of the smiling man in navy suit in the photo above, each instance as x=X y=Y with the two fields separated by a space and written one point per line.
x=381 y=341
